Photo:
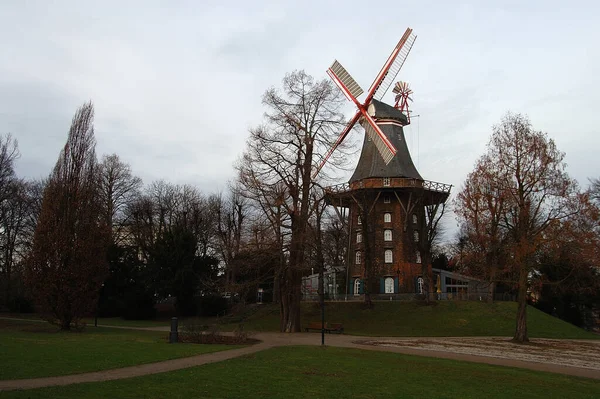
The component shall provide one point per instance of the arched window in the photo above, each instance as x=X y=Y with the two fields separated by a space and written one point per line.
x=359 y=237
x=358 y=257
x=418 y=257
x=387 y=235
x=416 y=235
x=359 y=220
x=415 y=219
x=389 y=285
x=420 y=285
x=388 y=256
x=386 y=181
x=357 y=286
x=387 y=218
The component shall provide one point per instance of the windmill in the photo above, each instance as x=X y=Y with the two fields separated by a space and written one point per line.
x=380 y=86
x=388 y=203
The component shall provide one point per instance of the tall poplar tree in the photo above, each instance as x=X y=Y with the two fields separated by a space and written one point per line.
x=67 y=264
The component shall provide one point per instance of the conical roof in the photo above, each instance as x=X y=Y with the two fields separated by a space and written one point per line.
x=371 y=164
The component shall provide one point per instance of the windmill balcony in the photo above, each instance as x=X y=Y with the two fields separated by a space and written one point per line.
x=395 y=182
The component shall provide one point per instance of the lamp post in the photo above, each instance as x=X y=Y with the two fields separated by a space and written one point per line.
x=98 y=305
x=322 y=301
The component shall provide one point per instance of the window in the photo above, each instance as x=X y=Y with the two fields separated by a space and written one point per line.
x=416 y=235
x=418 y=257
x=387 y=235
x=420 y=285
x=415 y=219
x=359 y=220
x=357 y=286
x=386 y=199
x=389 y=285
x=387 y=218
x=386 y=181
x=358 y=257
x=388 y=256
x=359 y=237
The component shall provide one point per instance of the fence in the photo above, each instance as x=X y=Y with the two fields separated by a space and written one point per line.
x=483 y=297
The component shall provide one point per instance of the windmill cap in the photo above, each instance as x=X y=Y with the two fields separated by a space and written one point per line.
x=380 y=110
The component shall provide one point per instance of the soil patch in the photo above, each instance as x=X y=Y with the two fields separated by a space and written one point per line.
x=575 y=353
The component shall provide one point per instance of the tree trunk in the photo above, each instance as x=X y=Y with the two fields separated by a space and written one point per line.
x=521 y=330
x=290 y=303
x=492 y=284
x=425 y=261
x=65 y=324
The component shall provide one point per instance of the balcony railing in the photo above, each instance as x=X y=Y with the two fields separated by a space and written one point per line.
x=428 y=185
x=435 y=186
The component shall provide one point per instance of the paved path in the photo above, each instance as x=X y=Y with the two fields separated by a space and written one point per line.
x=270 y=340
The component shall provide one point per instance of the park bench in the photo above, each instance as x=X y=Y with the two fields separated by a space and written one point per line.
x=329 y=327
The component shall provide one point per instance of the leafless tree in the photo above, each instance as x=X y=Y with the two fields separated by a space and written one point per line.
x=67 y=264
x=526 y=171
x=231 y=213
x=275 y=172
x=480 y=210
x=595 y=190
x=430 y=235
x=118 y=188
x=9 y=152
x=163 y=206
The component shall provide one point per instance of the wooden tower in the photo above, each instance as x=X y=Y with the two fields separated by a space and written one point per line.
x=391 y=207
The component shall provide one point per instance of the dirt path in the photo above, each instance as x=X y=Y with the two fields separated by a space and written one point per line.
x=496 y=351
x=134 y=371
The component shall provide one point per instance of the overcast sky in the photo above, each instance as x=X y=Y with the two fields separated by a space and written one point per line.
x=176 y=84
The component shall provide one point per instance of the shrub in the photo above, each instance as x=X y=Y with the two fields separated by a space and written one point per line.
x=138 y=305
x=212 y=305
x=20 y=304
x=196 y=333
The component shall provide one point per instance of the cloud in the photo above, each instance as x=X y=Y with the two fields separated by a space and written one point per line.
x=176 y=85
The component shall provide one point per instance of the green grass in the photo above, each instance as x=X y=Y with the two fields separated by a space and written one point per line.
x=32 y=349
x=119 y=322
x=442 y=319
x=105 y=321
x=401 y=319
x=314 y=372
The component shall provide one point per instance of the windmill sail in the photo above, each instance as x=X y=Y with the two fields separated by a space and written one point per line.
x=396 y=66
x=384 y=149
x=346 y=79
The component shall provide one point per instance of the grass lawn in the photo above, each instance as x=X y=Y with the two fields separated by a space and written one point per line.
x=395 y=319
x=442 y=319
x=33 y=349
x=105 y=321
x=313 y=372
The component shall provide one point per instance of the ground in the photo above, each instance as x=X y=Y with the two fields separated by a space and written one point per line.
x=574 y=353
x=294 y=361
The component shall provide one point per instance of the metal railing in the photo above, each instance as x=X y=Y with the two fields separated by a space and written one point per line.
x=481 y=297
x=427 y=184
x=435 y=186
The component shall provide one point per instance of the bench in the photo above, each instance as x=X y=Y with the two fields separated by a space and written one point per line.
x=337 y=328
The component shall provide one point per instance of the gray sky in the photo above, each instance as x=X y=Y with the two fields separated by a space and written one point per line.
x=177 y=84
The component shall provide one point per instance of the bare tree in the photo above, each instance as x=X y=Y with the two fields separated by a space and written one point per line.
x=67 y=264
x=480 y=210
x=9 y=152
x=231 y=213
x=524 y=168
x=431 y=231
x=595 y=191
x=118 y=188
x=276 y=168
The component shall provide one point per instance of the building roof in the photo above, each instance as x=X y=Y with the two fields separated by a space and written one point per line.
x=371 y=163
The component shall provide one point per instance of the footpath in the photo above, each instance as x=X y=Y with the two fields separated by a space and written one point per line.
x=271 y=340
